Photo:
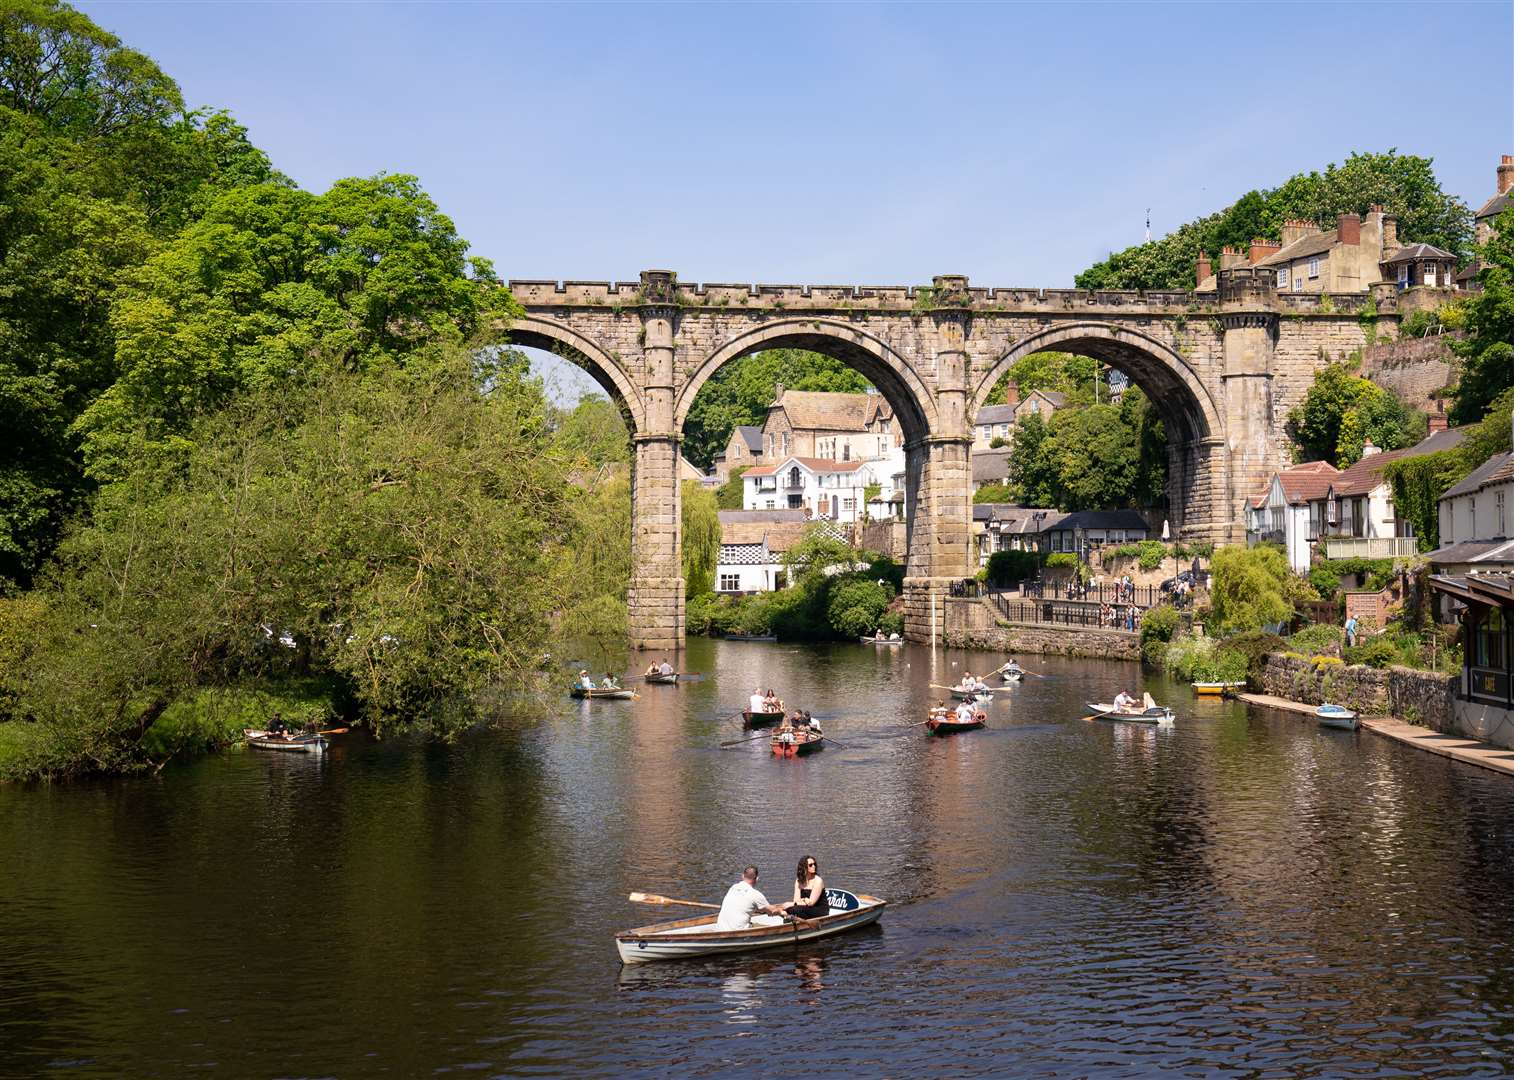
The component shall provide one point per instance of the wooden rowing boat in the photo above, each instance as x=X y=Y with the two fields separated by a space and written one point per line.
x=760 y=719
x=973 y=695
x=1337 y=716
x=801 y=743
x=751 y=637
x=1221 y=689
x=882 y=641
x=665 y=680
x=1012 y=675
x=290 y=743
x=1156 y=714
x=620 y=694
x=950 y=725
x=688 y=938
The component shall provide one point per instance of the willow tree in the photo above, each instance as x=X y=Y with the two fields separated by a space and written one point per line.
x=701 y=538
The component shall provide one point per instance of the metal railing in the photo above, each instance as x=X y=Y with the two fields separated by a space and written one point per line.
x=1064 y=613
x=1108 y=592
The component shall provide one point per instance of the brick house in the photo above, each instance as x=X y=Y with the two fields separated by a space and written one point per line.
x=833 y=426
x=742 y=449
x=1497 y=204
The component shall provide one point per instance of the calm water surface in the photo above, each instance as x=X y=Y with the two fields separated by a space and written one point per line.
x=1240 y=894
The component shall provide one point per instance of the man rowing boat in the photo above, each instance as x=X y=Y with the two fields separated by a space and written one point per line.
x=742 y=901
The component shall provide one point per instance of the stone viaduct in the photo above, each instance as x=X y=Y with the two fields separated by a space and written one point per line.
x=1224 y=368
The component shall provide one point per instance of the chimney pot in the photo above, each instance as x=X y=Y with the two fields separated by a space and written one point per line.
x=1348 y=228
x=1202 y=269
x=1261 y=248
x=1506 y=173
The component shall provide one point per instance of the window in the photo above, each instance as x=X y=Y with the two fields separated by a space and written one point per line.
x=1403 y=273
x=848 y=504
x=1429 y=273
x=1488 y=658
x=730 y=582
x=846 y=452
x=1316 y=516
x=1298 y=282
x=1314 y=267
x=1282 y=278
x=1277 y=519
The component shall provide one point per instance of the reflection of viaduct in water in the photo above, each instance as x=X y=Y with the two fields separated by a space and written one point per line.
x=1222 y=367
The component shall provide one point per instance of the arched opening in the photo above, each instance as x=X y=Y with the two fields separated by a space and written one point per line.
x=1190 y=420
x=548 y=336
x=823 y=423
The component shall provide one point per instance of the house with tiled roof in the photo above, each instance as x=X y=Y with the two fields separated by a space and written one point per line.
x=1280 y=512
x=1040 y=403
x=1477 y=520
x=823 y=424
x=825 y=489
x=752 y=546
x=1486 y=215
x=742 y=450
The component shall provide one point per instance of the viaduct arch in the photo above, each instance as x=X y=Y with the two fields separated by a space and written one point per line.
x=1223 y=367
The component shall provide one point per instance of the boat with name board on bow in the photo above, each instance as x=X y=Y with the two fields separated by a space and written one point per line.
x=685 y=939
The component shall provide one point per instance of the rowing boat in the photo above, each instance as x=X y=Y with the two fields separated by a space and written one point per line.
x=1337 y=716
x=751 y=637
x=882 y=641
x=617 y=694
x=1011 y=675
x=797 y=744
x=984 y=694
x=950 y=725
x=687 y=938
x=1217 y=688
x=297 y=744
x=1156 y=714
x=666 y=680
x=760 y=719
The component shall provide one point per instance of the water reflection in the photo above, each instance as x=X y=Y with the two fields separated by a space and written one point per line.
x=1237 y=893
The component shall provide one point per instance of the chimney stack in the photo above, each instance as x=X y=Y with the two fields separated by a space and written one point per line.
x=1506 y=174
x=1230 y=257
x=1390 y=234
x=1438 y=420
x=1011 y=393
x=1201 y=269
x=1261 y=248
x=1296 y=229
x=1348 y=228
x=777 y=393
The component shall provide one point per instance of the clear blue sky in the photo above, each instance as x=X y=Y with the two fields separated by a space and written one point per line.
x=851 y=143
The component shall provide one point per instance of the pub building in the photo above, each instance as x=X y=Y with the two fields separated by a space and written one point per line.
x=1484 y=705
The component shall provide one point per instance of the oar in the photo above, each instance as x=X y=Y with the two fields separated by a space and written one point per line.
x=334 y=731
x=653 y=898
x=764 y=734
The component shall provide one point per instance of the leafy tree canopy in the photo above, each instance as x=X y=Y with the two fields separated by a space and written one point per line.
x=1487 y=350
x=1063 y=372
x=1404 y=184
x=1098 y=457
x=741 y=391
x=1342 y=410
x=1248 y=588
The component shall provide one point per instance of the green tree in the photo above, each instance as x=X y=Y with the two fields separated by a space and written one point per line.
x=1033 y=472
x=1341 y=410
x=855 y=606
x=701 y=538
x=1403 y=183
x=741 y=391
x=593 y=433
x=1065 y=373
x=996 y=493
x=271 y=284
x=1487 y=350
x=1095 y=455
x=731 y=494
x=1248 y=588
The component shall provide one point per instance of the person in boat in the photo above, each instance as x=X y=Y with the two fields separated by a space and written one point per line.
x=894 y=636
x=652 y=669
x=811 y=724
x=772 y=703
x=757 y=703
x=809 y=892
x=585 y=680
x=1123 y=702
x=665 y=668
x=938 y=711
x=968 y=682
x=1012 y=668
x=742 y=901
x=276 y=726
x=609 y=682
x=964 y=712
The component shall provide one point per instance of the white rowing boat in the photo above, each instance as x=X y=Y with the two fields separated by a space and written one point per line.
x=1337 y=716
x=686 y=938
x=288 y=742
x=1011 y=674
x=982 y=693
x=1151 y=714
x=618 y=694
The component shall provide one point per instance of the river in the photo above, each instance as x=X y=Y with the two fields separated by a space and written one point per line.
x=1237 y=894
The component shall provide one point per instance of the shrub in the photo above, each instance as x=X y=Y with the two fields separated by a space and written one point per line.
x=855 y=606
x=891 y=623
x=1247 y=588
x=1317 y=639
x=1007 y=567
x=1252 y=648
x=1376 y=653
x=1061 y=559
x=1202 y=660
x=1157 y=627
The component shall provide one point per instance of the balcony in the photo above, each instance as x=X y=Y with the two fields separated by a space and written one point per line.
x=1368 y=547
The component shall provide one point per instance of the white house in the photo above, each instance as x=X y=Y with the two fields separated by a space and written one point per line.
x=832 y=490
x=1476 y=516
x=1280 y=513
x=752 y=545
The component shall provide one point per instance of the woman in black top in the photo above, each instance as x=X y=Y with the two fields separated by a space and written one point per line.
x=809 y=891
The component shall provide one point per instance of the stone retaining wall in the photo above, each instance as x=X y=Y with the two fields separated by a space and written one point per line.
x=1420 y=697
x=1413 y=368
x=973 y=624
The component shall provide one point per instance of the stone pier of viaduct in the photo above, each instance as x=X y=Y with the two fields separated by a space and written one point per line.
x=1224 y=368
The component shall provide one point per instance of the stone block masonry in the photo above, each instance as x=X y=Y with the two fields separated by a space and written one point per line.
x=1222 y=367
x=1421 y=697
x=971 y=623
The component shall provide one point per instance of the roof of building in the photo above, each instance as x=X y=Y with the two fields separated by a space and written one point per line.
x=1367 y=473
x=1017 y=519
x=1056 y=397
x=1316 y=243
x=1309 y=480
x=1410 y=252
x=995 y=414
x=1102 y=519
x=1494 y=206
x=1474 y=551
x=813 y=464
x=751 y=434
x=826 y=410
x=990 y=465
x=1446 y=439
x=769 y=517
x=777 y=535
x=1496 y=469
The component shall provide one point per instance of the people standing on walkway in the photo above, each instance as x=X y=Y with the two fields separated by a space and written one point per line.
x=1351 y=628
